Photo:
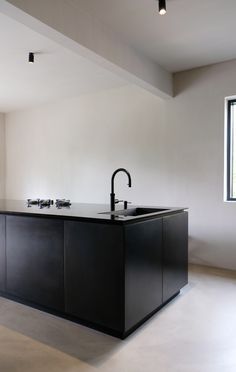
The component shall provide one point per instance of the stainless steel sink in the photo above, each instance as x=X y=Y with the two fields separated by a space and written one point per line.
x=139 y=211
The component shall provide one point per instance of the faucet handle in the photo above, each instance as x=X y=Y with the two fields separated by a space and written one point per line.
x=118 y=201
x=126 y=204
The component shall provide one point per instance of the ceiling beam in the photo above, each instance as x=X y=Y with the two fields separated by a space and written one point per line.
x=85 y=35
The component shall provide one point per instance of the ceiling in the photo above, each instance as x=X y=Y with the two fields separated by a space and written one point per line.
x=193 y=33
x=56 y=74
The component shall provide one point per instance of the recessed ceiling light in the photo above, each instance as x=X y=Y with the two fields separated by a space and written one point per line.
x=31 y=57
x=162 y=7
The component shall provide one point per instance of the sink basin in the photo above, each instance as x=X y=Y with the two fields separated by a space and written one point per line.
x=139 y=211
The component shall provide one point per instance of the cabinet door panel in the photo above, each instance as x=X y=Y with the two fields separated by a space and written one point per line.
x=35 y=254
x=94 y=273
x=175 y=253
x=143 y=270
x=2 y=253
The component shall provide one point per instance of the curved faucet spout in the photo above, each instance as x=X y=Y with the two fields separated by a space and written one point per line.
x=112 y=195
x=114 y=174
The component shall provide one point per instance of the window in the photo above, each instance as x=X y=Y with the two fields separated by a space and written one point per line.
x=230 y=140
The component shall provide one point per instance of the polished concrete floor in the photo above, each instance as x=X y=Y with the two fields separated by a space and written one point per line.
x=196 y=332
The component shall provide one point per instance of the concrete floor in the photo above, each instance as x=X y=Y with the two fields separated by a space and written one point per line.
x=196 y=332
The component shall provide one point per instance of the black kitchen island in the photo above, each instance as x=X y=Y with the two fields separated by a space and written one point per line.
x=110 y=272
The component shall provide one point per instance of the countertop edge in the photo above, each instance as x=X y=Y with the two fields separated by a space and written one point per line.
x=84 y=212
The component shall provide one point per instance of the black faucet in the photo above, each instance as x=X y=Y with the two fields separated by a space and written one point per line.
x=113 y=200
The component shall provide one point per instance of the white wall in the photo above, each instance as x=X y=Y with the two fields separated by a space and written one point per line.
x=195 y=121
x=174 y=150
x=70 y=149
x=2 y=155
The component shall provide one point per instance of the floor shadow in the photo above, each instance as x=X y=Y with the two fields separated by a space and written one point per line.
x=78 y=341
x=85 y=344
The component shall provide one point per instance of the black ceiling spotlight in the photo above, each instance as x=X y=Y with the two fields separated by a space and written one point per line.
x=162 y=7
x=31 y=57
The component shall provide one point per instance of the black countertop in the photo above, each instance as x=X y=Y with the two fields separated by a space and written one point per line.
x=80 y=211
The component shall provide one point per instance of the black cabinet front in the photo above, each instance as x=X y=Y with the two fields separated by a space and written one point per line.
x=35 y=260
x=175 y=254
x=111 y=277
x=143 y=270
x=2 y=254
x=94 y=274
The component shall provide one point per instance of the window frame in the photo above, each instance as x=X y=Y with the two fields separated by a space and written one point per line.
x=228 y=150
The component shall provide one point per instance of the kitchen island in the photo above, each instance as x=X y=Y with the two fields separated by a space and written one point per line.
x=105 y=270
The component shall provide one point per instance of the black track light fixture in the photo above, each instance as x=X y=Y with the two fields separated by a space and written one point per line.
x=31 y=57
x=162 y=7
